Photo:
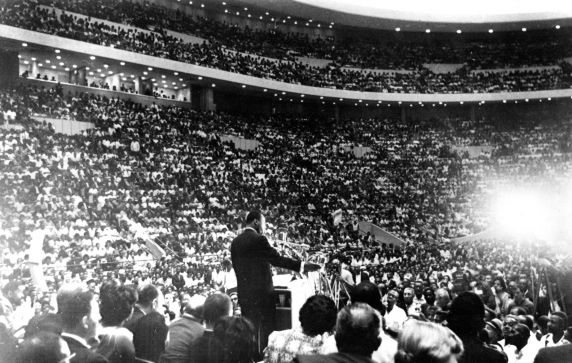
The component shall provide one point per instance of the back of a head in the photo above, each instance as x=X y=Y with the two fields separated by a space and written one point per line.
x=425 y=342
x=252 y=216
x=43 y=347
x=48 y=322
x=318 y=315
x=216 y=306
x=357 y=329
x=368 y=293
x=236 y=337
x=147 y=294
x=467 y=313
x=115 y=303
x=74 y=302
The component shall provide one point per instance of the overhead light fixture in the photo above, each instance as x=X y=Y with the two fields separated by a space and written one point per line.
x=491 y=31
x=397 y=29
x=459 y=31
x=523 y=29
x=92 y=57
x=427 y=30
x=24 y=44
x=122 y=63
x=57 y=51
x=557 y=26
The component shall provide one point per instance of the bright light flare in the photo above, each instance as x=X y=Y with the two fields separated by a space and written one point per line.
x=526 y=214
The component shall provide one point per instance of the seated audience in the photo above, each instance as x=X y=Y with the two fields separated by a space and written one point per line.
x=317 y=320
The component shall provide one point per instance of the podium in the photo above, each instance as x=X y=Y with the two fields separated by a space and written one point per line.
x=289 y=298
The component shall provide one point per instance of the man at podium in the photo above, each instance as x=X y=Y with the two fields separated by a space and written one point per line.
x=252 y=257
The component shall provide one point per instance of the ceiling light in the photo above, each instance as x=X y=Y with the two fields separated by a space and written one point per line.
x=74 y=65
x=557 y=26
x=57 y=51
x=122 y=63
x=61 y=63
x=163 y=76
x=53 y=67
x=180 y=80
x=110 y=72
x=48 y=61
x=523 y=29
x=103 y=74
x=24 y=44
x=149 y=69
x=459 y=31
x=491 y=31
x=67 y=69
x=145 y=73
x=243 y=86
x=214 y=85
x=40 y=65
x=92 y=57
x=58 y=57
x=397 y=29
x=427 y=30
x=200 y=78
x=33 y=59
x=26 y=62
x=176 y=73
x=91 y=73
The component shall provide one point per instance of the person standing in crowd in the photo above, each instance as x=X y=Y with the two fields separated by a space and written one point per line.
x=357 y=336
x=115 y=306
x=150 y=330
x=421 y=341
x=80 y=317
x=184 y=331
x=517 y=346
x=556 y=329
x=206 y=347
x=466 y=319
x=252 y=257
x=394 y=315
x=521 y=301
x=317 y=317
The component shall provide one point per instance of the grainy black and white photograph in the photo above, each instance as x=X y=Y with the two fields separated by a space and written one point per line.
x=276 y=181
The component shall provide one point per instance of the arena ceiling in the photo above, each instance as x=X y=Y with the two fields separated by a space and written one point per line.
x=420 y=15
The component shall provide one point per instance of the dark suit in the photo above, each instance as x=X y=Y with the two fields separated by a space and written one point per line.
x=136 y=315
x=333 y=358
x=82 y=353
x=252 y=256
x=149 y=335
x=560 y=354
x=182 y=333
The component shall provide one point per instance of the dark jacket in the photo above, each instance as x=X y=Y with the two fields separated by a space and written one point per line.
x=149 y=335
x=82 y=353
x=560 y=354
x=333 y=358
x=252 y=257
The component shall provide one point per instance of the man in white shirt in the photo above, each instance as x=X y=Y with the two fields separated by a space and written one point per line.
x=556 y=329
x=394 y=316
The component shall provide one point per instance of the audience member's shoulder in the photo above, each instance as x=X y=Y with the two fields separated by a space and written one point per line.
x=560 y=354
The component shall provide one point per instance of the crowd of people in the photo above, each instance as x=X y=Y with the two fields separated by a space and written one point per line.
x=94 y=204
x=214 y=54
x=381 y=50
